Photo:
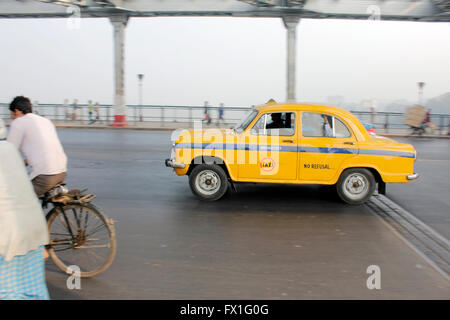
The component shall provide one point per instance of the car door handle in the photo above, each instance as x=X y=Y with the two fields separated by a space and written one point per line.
x=288 y=141
x=348 y=142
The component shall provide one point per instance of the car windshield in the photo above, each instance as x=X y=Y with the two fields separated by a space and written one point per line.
x=243 y=124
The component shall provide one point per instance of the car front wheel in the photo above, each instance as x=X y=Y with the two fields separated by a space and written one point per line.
x=356 y=186
x=208 y=182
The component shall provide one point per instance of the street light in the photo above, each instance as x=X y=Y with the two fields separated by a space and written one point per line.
x=421 y=85
x=140 y=78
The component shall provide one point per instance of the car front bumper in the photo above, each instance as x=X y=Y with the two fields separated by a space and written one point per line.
x=172 y=164
x=413 y=176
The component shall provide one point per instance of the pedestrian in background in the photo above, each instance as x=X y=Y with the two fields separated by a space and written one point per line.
x=91 y=111
x=207 y=118
x=221 y=113
x=427 y=117
x=75 y=109
x=426 y=123
x=23 y=230
x=97 y=111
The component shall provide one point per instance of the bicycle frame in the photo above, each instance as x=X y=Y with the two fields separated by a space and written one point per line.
x=58 y=206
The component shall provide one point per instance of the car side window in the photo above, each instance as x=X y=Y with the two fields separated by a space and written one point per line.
x=323 y=125
x=341 y=130
x=275 y=124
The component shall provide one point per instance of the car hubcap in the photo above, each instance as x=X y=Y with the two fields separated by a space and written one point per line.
x=208 y=182
x=356 y=186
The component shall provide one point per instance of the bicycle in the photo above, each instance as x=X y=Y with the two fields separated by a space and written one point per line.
x=417 y=131
x=80 y=233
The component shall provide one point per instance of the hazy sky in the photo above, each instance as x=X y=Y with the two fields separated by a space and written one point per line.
x=238 y=61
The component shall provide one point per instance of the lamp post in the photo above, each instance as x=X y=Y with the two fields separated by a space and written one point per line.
x=421 y=85
x=140 y=78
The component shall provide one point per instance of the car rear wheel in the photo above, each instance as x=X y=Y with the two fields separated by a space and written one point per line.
x=208 y=182
x=356 y=186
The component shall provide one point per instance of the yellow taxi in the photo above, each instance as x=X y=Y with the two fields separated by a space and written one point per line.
x=296 y=144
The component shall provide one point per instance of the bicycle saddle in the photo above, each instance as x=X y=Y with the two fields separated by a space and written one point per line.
x=57 y=190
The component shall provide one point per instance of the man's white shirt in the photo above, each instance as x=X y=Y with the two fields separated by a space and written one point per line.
x=36 y=138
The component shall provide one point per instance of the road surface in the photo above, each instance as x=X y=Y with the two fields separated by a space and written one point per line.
x=264 y=242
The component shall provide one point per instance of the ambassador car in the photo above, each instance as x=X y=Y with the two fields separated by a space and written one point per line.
x=292 y=143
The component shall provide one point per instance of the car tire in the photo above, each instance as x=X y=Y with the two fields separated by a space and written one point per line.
x=355 y=186
x=208 y=182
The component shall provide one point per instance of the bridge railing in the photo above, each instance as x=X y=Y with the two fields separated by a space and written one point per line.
x=135 y=114
x=393 y=122
x=384 y=122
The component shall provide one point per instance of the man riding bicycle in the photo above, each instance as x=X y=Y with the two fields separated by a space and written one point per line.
x=36 y=138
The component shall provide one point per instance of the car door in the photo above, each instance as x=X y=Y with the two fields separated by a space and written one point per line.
x=270 y=148
x=325 y=143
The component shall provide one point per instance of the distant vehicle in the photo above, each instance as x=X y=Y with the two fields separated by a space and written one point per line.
x=369 y=127
x=294 y=144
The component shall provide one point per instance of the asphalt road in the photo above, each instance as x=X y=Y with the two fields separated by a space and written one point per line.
x=428 y=198
x=264 y=242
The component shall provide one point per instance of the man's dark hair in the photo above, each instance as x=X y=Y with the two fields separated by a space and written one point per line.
x=21 y=103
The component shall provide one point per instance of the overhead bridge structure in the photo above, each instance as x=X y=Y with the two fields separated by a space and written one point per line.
x=290 y=11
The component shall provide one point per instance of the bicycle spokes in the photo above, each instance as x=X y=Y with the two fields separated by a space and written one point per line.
x=81 y=235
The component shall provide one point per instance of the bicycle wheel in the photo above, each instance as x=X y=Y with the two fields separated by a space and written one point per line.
x=82 y=236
